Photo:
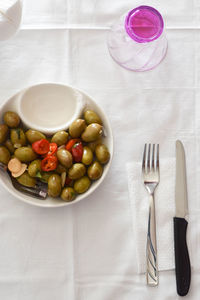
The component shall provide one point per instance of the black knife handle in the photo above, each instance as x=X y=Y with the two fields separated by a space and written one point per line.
x=182 y=260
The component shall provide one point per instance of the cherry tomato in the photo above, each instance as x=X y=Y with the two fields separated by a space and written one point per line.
x=41 y=147
x=52 y=149
x=77 y=152
x=71 y=143
x=49 y=163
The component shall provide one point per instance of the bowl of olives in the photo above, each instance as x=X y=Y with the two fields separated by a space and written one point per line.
x=71 y=163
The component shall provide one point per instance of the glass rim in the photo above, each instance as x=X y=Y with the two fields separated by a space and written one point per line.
x=132 y=34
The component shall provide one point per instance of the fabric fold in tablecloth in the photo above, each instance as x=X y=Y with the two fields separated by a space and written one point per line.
x=10 y=18
x=165 y=210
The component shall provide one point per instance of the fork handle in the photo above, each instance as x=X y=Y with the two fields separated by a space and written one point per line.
x=151 y=249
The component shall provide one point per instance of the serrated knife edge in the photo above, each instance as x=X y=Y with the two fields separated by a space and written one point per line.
x=181 y=196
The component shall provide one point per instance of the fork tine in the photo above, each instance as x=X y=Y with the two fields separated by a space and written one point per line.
x=148 y=158
x=144 y=157
x=153 y=158
x=157 y=158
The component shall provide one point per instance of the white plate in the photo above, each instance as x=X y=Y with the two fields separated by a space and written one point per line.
x=12 y=104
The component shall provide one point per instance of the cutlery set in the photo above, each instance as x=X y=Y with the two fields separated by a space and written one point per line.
x=151 y=178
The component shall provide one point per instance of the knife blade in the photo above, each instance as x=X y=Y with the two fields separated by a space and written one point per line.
x=182 y=260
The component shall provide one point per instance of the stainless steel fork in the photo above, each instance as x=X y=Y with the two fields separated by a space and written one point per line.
x=151 y=177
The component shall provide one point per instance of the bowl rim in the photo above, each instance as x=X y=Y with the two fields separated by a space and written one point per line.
x=80 y=197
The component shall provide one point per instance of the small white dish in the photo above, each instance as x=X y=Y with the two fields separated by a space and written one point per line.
x=49 y=107
x=12 y=104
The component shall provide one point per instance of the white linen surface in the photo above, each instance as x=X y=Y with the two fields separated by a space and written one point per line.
x=88 y=251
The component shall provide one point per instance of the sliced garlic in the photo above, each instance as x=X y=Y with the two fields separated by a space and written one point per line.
x=61 y=147
x=22 y=170
x=14 y=165
x=63 y=178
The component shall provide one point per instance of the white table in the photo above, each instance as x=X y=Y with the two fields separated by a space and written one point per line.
x=87 y=251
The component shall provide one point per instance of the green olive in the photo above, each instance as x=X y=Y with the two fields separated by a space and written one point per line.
x=60 y=169
x=3 y=132
x=76 y=171
x=60 y=138
x=34 y=135
x=9 y=146
x=26 y=180
x=45 y=176
x=4 y=155
x=87 y=157
x=25 y=154
x=17 y=137
x=34 y=169
x=64 y=157
x=54 y=185
x=95 y=170
x=102 y=153
x=82 y=184
x=77 y=127
x=68 y=194
x=92 y=145
x=11 y=119
x=91 y=117
x=92 y=132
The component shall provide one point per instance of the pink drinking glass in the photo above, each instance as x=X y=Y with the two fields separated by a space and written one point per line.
x=137 y=41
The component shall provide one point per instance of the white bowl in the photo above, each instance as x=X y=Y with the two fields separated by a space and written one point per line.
x=49 y=107
x=13 y=104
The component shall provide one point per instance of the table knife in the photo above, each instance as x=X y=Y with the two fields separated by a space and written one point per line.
x=182 y=260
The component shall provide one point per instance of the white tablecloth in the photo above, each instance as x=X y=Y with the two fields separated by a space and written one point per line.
x=87 y=251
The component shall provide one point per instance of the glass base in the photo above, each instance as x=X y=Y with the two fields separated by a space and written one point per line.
x=146 y=67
